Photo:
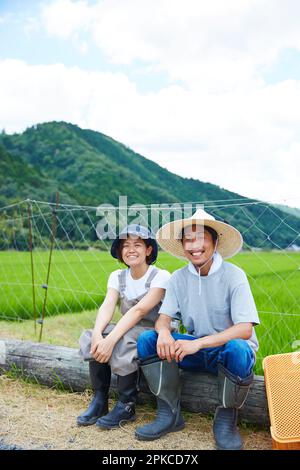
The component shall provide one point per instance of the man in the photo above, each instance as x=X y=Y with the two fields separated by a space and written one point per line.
x=215 y=304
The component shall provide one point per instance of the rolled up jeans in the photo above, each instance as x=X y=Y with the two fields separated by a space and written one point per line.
x=237 y=355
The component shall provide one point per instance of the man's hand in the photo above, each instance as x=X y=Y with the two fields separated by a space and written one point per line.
x=165 y=345
x=102 y=350
x=184 y=347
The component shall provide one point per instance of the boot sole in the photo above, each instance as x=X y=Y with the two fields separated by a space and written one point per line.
x=141 y=437
x=115 y=426
x=88 y=423
x=224 y=448
x=91 y=422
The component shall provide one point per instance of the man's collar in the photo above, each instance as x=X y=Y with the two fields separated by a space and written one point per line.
x=216 y=264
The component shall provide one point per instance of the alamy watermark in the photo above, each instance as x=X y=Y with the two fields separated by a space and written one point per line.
x=115 y=219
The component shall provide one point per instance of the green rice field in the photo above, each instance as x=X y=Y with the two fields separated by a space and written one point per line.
x=77 y=285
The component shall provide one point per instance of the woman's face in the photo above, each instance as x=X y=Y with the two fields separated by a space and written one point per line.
x=135 y=251
x=198 y=245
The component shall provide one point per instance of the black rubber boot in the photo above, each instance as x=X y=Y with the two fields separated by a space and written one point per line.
x=100 y=375
x=163 y=381
x=225 y=429
x=124 y=409
x=233 y=392
x=166 y=421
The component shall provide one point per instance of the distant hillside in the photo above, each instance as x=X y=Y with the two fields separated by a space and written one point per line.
x=90 y=168
x=289 y=210
x=93 y=168
x=19 y=180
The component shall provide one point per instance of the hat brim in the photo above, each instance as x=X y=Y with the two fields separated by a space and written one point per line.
x=230 y=240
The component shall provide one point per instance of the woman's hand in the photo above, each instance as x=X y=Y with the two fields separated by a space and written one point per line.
x=185 y=347
x=94 y=341
x=102 y=351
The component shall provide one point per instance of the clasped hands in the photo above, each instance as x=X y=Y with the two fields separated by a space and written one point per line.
x=169 y=348
x=102 y=348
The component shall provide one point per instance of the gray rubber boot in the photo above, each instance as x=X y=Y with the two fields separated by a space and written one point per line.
x=124 y=409
x=100 y=375
x=233 y=392
x=163 y=381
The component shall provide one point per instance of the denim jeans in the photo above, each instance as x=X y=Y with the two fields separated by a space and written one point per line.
x=236 y=355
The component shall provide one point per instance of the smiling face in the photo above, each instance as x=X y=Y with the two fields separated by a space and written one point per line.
x=134 y=251
x=198 y=244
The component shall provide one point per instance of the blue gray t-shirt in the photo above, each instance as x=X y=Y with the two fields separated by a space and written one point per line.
x=225 y=299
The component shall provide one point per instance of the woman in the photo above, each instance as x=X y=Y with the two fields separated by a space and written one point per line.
x=140 y=289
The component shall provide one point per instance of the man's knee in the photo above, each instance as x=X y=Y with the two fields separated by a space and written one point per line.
x=237 y=345
x=147 y=336
x=239 y=357
x=146 y=343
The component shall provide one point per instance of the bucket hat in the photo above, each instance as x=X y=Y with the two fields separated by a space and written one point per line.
x=137 y=231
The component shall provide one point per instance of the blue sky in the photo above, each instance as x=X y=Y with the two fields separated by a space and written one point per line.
x=201 y=88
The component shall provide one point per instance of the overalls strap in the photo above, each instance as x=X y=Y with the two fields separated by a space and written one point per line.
x=122 y=282
x=150 y=278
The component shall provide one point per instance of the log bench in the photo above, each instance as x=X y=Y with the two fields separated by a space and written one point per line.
x=53 y=365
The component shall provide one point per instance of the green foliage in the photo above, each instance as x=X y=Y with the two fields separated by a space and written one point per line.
x=78 y=283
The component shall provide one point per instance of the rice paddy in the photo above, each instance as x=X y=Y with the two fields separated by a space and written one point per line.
x=77 y=285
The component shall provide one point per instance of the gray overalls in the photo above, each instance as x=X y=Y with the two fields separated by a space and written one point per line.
x=123 y=360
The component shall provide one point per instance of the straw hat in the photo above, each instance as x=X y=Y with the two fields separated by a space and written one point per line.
x=230 y=240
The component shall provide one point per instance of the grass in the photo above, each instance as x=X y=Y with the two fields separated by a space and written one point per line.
x=78 y=282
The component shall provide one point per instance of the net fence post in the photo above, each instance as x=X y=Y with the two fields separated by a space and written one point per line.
x=53 y=235
x=32 y=263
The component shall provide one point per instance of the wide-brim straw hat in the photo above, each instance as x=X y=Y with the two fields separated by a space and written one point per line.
x=230 y=240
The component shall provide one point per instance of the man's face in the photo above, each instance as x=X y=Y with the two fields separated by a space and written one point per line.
x=197 y=244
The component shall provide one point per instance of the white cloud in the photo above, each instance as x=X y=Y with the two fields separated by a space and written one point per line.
x=247 y=143
x=55 y=92
x=222 y=124
x=214 y=45
x=65 y=18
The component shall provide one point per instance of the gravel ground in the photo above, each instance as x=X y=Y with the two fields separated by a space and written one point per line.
x=36 y=417
x=4 y=446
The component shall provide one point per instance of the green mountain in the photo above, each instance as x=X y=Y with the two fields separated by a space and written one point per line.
x=90 y=168
x=20 y=179
x=93 y=168
x=289 y=210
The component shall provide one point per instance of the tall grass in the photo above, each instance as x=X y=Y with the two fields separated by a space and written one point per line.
x=78 y=282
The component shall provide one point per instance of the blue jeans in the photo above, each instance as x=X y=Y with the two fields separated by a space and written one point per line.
x=236 y=355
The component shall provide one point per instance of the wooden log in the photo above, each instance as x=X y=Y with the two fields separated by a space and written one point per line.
x=58 y=365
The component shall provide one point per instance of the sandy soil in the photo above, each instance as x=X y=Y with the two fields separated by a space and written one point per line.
x=36 y=417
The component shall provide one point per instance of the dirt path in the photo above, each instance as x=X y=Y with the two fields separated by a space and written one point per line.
x=36 y=417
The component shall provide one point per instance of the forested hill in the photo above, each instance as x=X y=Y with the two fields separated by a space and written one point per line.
x=90 y=168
